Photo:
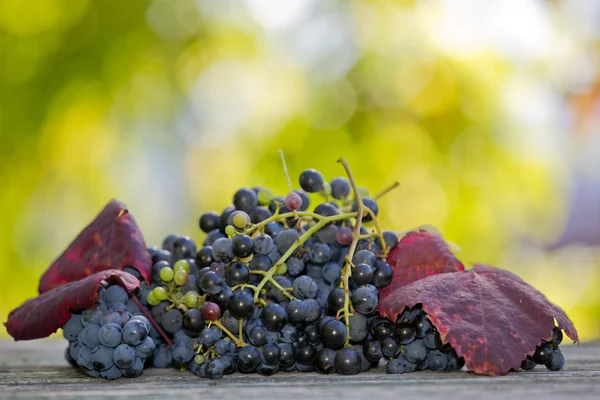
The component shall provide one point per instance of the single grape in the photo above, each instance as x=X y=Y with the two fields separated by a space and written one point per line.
x=159 y=293
x=124 y=356
x=362 y=274
x=271 y=354
x=305 y=199
x=222 y=298
x=209 y=221
x=204 y=257
x=400 y=365
x=557 y=336
x=371 y=205
x=319 y=253
x=364 y=300
x=558 y=361
x=262 y=244
x=172 y=320
x=169 y=241
x=84 y=357
x=340 y=188
x=166 y=274
x=184 y=247
x=313 y=310
x=390 y=348
x=191 y=299
x=237 y=273
x=364 y=257
x=293 y=201
x=543 y=354
x=90 y=316
x=295 y=266
x=390 y=239
x=259 y=214
x=382 y=275
x=248 y=359
x=135 y=370
x=181 y=277
x=325 y=361
x=335 y=301
x=146 y=348
x=433 y=341
x=436 y=361
x=116 y=294
x=135 y=332
x=212 y=237
x=311 y=180
x=102 y=358
x=415 y=352
x=343 y=236
x=73 y=327
x=286 y=239
x=305 y=287
x=347 y=361
x=372 y=350
x=183 y=352
x=405 y=332
x=241 y=246
x=305 y=354
x=89 y=336
x=222 y=250
x=326 y=209
x=273 y=317
x=209 y=282
x=334 y=334
x=210 y=311
x=215 y=369
x=286 y=354
x=109 y=335
x=181 y=265
x=162 y=357
x=296 y=311
x=112 y=373
x=358 y=327
x=240 y=219
x=264 y=196
x=245 y=200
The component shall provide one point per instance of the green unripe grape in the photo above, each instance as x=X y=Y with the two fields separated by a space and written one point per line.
x=153 y=301
x=181 y=277
x=363 y=191
x=327 y=188
x=191 y=299
x=264 y=196
x=198 y=359
x=282 y=269
x=240 y=220
x=229 y=230
x=166 y=274
x=181 y=264
x=159 y=293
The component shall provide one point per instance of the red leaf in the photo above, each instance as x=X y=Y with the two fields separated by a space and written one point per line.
x=111 y=241
x=490 y=316
x=419 y=254
x=41 y=316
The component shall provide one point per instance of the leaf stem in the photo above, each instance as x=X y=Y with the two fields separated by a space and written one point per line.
x=386 y=190
x=152 y=321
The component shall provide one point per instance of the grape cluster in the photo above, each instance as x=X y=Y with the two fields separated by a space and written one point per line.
x=111 y=340
x=547 y=353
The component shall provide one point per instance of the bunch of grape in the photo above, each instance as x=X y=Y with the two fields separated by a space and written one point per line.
x=547 y=353
x=112 y=339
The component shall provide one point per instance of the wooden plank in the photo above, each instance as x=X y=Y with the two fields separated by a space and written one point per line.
x=37 y=370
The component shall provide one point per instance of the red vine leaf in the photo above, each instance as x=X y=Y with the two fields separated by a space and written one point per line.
x=490 y=316
x=419 y=254
x=43 y=315
x=111 y=241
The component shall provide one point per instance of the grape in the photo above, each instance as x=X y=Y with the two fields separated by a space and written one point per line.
x=422 y=326
x=124 y=356
x=161 y=255
x=90 y=316
x=331 y=272
x=362 y=274
x=245 y=200
x=286 y=239
x=340 y=188
x=210 y=283
x=432 y=341
x=112 y=373
x=215 y=369
x=288 y=334
x=239 y=220
x=73 y=327
x=212 y=237
x=270 y=355
x=204 y=257
x=364 y=257
x=372 y=350
x=102 y=358
x=184 y=247
x=390 y=239
x=400 y=365
x=162 y=357
x=558 y=361
x=222 y=347
x=390 y=348
x=210 y=311
x=222 y=298
x=314 y=271
x=181 y=277
x=109 y=335
x=116 y=294
x=209 y=221
x=437 y=361
x=171 y=320
x=135 y=370
x=557 y=336
x=89 y=336
x=169 y=241
x=319 y=253
x=343 y=236
x=260 y=263
x=382 y=275
x=347 y=362
x=405 y=332
x=258 y=336
x=305 y=287
x=295 y=266
x=166 y=274
x=74 y=350
x=241 y=246
x=364 y=300
x=248 y=359
x=543 y=354
x=222 y=250
x=296 y=311
x=118 y=307
x=159 y=293
x=146 y=348
x=259 y=214
x=325 y=361
x=415 y=352
x=264 y=196
x=274 y=317
x=181 y=265
x=358 y=327
x=293 y=201
x=334 y=334
x=286 y=354
x=183 y=352
x=311 y=180
x=305 y=354
x=241 y=305
x=273 y=228
x=370 y=204
x=326 y=209
x=335 y=301
x=135 y=332
x=84 y=357
x=144 y=320
x=262 y=244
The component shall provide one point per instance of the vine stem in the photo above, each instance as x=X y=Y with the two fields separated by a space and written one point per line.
x=324 y=221
x=355 y=235
x=384 y=249
x=386 y=190
x=285 y=170
x=238 y=342
x=284 y=216
x=274 y=283
x=152 y=321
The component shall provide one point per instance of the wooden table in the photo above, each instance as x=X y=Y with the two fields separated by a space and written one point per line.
x=37 y=369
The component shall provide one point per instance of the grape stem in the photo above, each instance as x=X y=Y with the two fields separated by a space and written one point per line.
x=152 y=321
x=386 y=190
x=238 y=342
x=324 y=221
x=273 y=282
x=287 y=177
x=384 y=248
x=355 y=235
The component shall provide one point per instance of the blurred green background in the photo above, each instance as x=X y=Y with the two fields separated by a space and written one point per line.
x=488 y=113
